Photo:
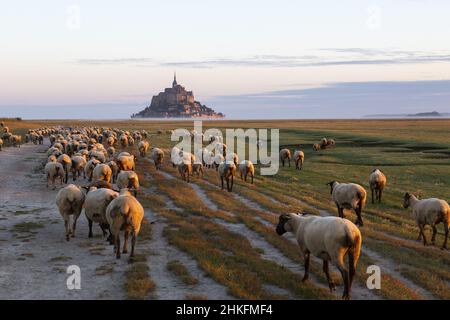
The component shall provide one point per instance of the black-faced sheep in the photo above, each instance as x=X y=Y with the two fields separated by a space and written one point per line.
x=124 y=213
x=349 y=196
x=69 y=201
x=377 y=182
x=328 y=238
x=429 y=212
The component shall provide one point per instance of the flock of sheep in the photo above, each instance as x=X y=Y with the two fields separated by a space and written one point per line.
x=109 y=198
x=7 y=136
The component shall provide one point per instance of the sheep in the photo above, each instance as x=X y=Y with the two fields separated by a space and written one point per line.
x=377 y=182
x=143 y=147
x=95 y=209
x=89 y=168
x=175 y=156
x=99 y=155
x=66 y=162
x=115 y=170
x=54 y=170
x=316 y=147
x=129 y=180
x=124 y=213
x=123 y=141
x=78 y=165
x=232 y=157
x=285 y=154
x=110 y=141
x=218 y=159
x=350 y=196
x=299 y=158
x=328 y=238
x=227 y=171
x=198 y=169
x=126 y=162
x=102 y=172
x=157 y=157
x=185 y=170
x=1 y=144
x=431 y=212
x=111 y=151
x=16 y=140
x=246 y=168
x=69 y=201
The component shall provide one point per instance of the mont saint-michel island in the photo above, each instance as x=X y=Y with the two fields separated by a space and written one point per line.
x=176 y=102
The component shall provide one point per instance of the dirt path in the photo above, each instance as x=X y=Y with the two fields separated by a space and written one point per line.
x=34 y=255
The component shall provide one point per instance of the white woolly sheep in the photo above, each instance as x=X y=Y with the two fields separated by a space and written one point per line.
x=95 y=209
x=78 y=165
x=70 y=200
x=66 y=162
x=227 y=171
x=175 y=157
x=185 y=170
x=299 y=158
x=124 y=213
x=54 y=170
x=157 y=157
x=89 y=168
x=431 y=212
x=126 y=162
x=218 y=159
x=285 y=154
x=128 y=180
x=377 y=182
x=143 y=147
x=102 y=172
x=328 y=238
x=349 y=196
x=115 y=170
x=316 y=147
x=232 y=157
x=246 y=168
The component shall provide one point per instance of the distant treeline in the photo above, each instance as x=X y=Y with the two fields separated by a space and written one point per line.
x=14 y=119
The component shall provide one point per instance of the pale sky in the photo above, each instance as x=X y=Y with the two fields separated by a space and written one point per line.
x=69 y=53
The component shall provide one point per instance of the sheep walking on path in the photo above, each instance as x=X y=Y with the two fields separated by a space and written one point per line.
x=349 y=196
x=69 y=201
x=227 y=171
x=328 y=238
x=429 y=212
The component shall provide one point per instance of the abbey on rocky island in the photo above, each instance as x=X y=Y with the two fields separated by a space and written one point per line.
x=176 y=102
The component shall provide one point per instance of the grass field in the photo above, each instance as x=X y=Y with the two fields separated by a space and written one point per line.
x=217 y=231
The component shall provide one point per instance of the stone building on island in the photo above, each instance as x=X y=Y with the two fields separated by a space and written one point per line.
x=176 y=102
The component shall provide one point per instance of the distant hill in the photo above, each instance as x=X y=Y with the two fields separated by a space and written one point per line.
x=432 y=114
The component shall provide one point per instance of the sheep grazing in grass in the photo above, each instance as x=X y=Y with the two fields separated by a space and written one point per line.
x=143 y=147
x=95 y=209
x=299 y=158
x=377 y=182
x=66 y=162
x=157 y=157
x=1 y=144
x=78 y=165
x=69 y=201
x=285 y=154
x=126 y=162
x=128 y=180
x=246 y=168
x=227 y=171
x=102 y=172
x=431 y=212
x=54 y=170
x=316 y=147
x=124 y=213
x=115 y=170
x=349 y=196
x=89 y=168
x=328 y=238
x=185 y=170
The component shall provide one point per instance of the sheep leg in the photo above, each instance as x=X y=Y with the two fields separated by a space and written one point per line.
x=373 y=201
x=75 y=218
x=421 y=227
x=90 y=228
x=232 y=182
x=289 y=163
x=252 y=178
x=433 y=237
x=345 y=278
x=117 y=245
x=125 y=242
x=359 y=220
x=66 y=226
x=306 y=276
x=444 y=245
x=282 y=162
x=340 y=212
x=325 y=269
x=221 y=178
x=133 y=243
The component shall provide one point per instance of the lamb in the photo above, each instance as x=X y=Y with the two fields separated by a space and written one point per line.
x=126 y=162
x=299 y=157
x=102 y=172
x=285 y=154
x=124 y=213
x=350 y=196
x=129 y=180
x=95 y=209
x=246 y=168
x=227 y=171
x=66 y=162
x=328 y=238
x=89 y=168
x=70 y=200
x=157 y=157
x=143 y=147
x=54 y=170
x=431 y=212
x=377 y=182
x=78 y=165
